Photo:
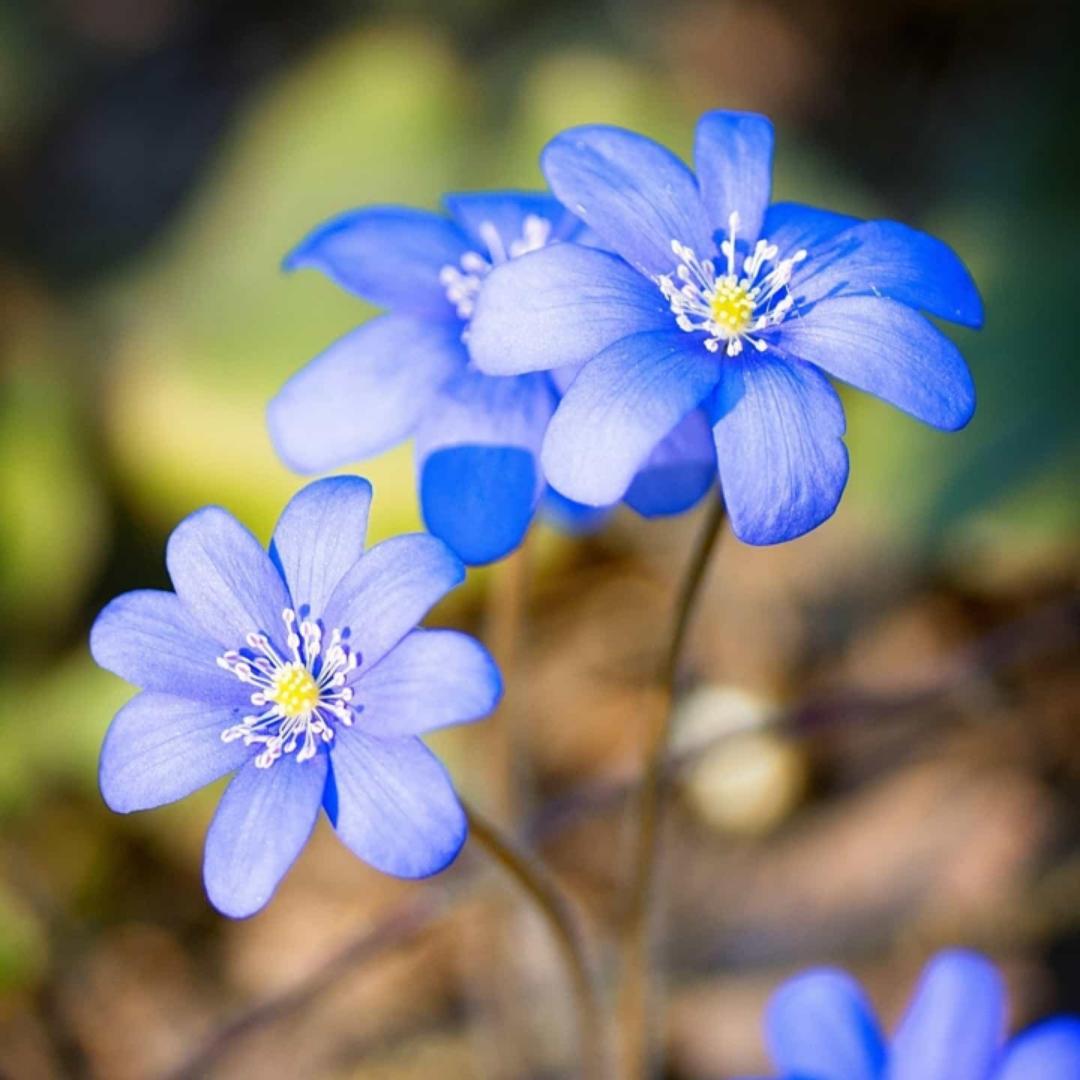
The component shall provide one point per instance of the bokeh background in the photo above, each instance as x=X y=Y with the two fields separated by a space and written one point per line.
x=878 y=748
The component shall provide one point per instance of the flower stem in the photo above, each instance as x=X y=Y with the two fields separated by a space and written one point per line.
x=552 y=902
x=634 y=1005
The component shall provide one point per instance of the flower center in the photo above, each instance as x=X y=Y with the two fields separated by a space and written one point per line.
x=462 y=282
x=299 y=698
x=732 y=307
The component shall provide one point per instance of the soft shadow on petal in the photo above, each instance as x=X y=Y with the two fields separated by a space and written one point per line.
x=793 y=227
x=506 y=211
x=1048 y=1051
x=679 y=471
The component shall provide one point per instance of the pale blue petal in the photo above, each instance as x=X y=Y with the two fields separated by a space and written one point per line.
x=679 y=471
x=888 y=350
x=560 y=306
x=393 y=804
x=431 y=679
x=793 y=227
x=621 y=406
x=632 y=192
x=783 y=464
x=1048 y=1051
x=319 y=537
x=506 y=211
x=262 y=824
x=365 y=393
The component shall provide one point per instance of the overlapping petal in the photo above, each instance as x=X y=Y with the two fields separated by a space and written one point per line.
x=794 y=226
x=1048 y=1051
x=506 y=212
x=678 y=472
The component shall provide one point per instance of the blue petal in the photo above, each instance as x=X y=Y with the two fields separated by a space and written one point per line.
x=888 y=350
x=160 y=748
x=885 y=258
x=224 y=578
x=148 y=638
x=431 y=679
x=783 y=465
x=633 y=193
x=389 y=255
x=953 y=1027
x=365 y=393
x=1048 y=1051
x=506 y=212
x=621 y=406
x=679 y=471
x=794 y=226
x=570 y=516
x=393 y=804
x=262 y=824
x=821 y=1025
x=560 y=306
x=733 y=158
x=320 y=536
x=389 y=591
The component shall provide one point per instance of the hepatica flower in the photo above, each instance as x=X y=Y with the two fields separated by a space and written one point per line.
x=820 y=1026
x=302 y=672
x=407 y=374
x=723 y=302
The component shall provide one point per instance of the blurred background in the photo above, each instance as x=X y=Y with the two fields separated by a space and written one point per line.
x=878 y=747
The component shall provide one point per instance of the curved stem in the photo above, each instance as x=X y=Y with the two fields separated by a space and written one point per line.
x=561 y=917
x=634 y=1004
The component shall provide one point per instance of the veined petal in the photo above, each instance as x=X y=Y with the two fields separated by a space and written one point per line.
x=794 y=226
x=389 y=591
x=262 y=824
x=821 y=1025
x=431 y=679
x=783 y=465
x=224 y=577
x=393 y=804
x=621 y=406
x=389 y=255
x=365 y=393
x=632 y=192
x=678 y=472
x=1048 y=1051
x=954 y=1026
x=506 y=211
x=888 y=350
x=161 y=748
x=148 y=638
x=320 y=536
x=885 y=258
x=733 y=158
x=560 y=306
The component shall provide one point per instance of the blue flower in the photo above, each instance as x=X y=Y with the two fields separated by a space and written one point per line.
x=722 y=302
x=300 y=671
x=407 y=374
x=820 y=1026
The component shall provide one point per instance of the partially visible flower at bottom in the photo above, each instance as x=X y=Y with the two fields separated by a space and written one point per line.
x=820 y=1026
x=301 y=671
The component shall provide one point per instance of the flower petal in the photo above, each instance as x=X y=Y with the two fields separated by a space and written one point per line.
x=224 y=578
x=148 y=638
x=733 y=158
x=783 y=465
x=393 y=804
x=365 y=393
x=320 y=536
x=821 y=1025
x=885 y=258
x=506 y=211
x=954 y=1025
x=389 y=591
x=560 y=306
x=632 y=192
x=794 y=226
x=262 y=824
x=621 y=406
x=1048 y=1051
x=389 y=255
x=433 y=678
x=679 y=471
x=888 y=350
x=160 y=748
x=572 y=517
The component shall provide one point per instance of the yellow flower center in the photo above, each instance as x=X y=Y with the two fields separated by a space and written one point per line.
x=293 y=690
x=732 y=307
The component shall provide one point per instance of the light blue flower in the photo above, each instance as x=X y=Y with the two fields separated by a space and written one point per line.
x=302 y=672
x=723 y=302
x=407 y=374
x=820 y=1026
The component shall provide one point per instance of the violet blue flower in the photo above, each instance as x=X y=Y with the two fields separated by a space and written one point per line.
x=407 y=374
x=820 y=1026
x=723 y=302
x=302 y=672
